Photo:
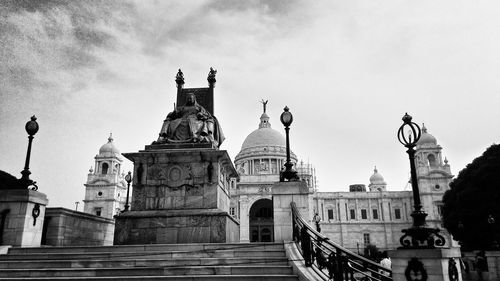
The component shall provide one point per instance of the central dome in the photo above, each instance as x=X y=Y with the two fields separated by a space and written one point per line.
x=264 y=137
x=265 y=143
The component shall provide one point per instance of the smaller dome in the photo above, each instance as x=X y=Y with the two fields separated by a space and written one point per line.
x=426 y=138
x=376 y=178
x=109 y=149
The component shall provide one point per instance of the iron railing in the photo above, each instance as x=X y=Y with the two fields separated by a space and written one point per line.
x=330 y=260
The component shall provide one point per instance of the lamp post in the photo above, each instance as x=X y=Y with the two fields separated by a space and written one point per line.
x=289 y=174
x=25 y=181
x=419 y=235
x=128 y=179
x=491 y=223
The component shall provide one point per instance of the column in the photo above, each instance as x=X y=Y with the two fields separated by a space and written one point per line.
x=244 y=219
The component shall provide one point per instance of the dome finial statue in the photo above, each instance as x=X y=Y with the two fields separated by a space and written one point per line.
x=264 y=104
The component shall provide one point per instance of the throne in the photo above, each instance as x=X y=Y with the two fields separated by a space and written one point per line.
x=205 y=98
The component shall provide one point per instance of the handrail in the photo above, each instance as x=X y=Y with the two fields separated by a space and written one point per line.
x=330 y=260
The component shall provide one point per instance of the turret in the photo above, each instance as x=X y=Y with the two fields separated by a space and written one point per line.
x=433 y=173
x=377 y=182
x=105 y=188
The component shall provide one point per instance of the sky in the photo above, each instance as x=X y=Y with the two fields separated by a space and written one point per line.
x=348 y=71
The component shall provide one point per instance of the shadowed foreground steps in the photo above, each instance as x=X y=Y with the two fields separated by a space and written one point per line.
x=236 y=261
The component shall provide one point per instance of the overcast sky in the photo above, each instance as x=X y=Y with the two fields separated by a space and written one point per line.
x=348 y=71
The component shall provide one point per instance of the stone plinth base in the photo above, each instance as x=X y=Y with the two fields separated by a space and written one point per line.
x=175 y=226
x=283 y=194
x=24 y=212
x=436 y=263
x=180 y=195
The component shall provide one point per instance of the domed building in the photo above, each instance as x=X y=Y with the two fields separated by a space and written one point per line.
x=354 y=218
x=106 y=188
x=259 y=162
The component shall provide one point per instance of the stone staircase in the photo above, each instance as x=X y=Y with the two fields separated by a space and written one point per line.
x=208 y=262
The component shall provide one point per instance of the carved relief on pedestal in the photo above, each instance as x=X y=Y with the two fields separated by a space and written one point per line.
x=173 y=175
x=157 y=172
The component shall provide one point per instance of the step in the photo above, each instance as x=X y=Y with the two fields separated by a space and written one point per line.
x=168 y=278
x=212 y=253
x=117 y=262
x=145 y=248
x=147 y=271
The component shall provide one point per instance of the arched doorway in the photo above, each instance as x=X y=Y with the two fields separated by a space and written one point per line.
x=261 y=221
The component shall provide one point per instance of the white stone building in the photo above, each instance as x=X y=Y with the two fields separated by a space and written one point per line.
x=259 y=162
x=106 y=188
x=354 y=218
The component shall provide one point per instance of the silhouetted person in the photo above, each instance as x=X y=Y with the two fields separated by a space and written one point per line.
x=481 y=265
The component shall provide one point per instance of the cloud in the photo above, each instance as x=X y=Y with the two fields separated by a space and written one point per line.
x=347 y=71
x=55 y=43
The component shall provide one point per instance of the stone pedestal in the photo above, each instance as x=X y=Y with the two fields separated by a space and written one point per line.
x=180 y=195
x=283 y=194
x=437 y=263
x=24 y=212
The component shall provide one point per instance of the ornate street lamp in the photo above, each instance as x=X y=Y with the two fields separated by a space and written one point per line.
x=491 y=223
x=128 y=179
x=25 y=181
x=289 y=174
x=419 y=235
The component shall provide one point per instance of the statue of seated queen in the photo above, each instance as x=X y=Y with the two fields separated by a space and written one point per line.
x=191 y=123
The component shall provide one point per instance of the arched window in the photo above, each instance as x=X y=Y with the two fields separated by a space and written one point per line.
x=104 y=169
x=432 y=160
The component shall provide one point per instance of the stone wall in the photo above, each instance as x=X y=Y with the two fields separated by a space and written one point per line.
x=64 y=227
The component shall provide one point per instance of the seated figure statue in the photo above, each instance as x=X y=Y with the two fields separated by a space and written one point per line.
x=191 y=123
